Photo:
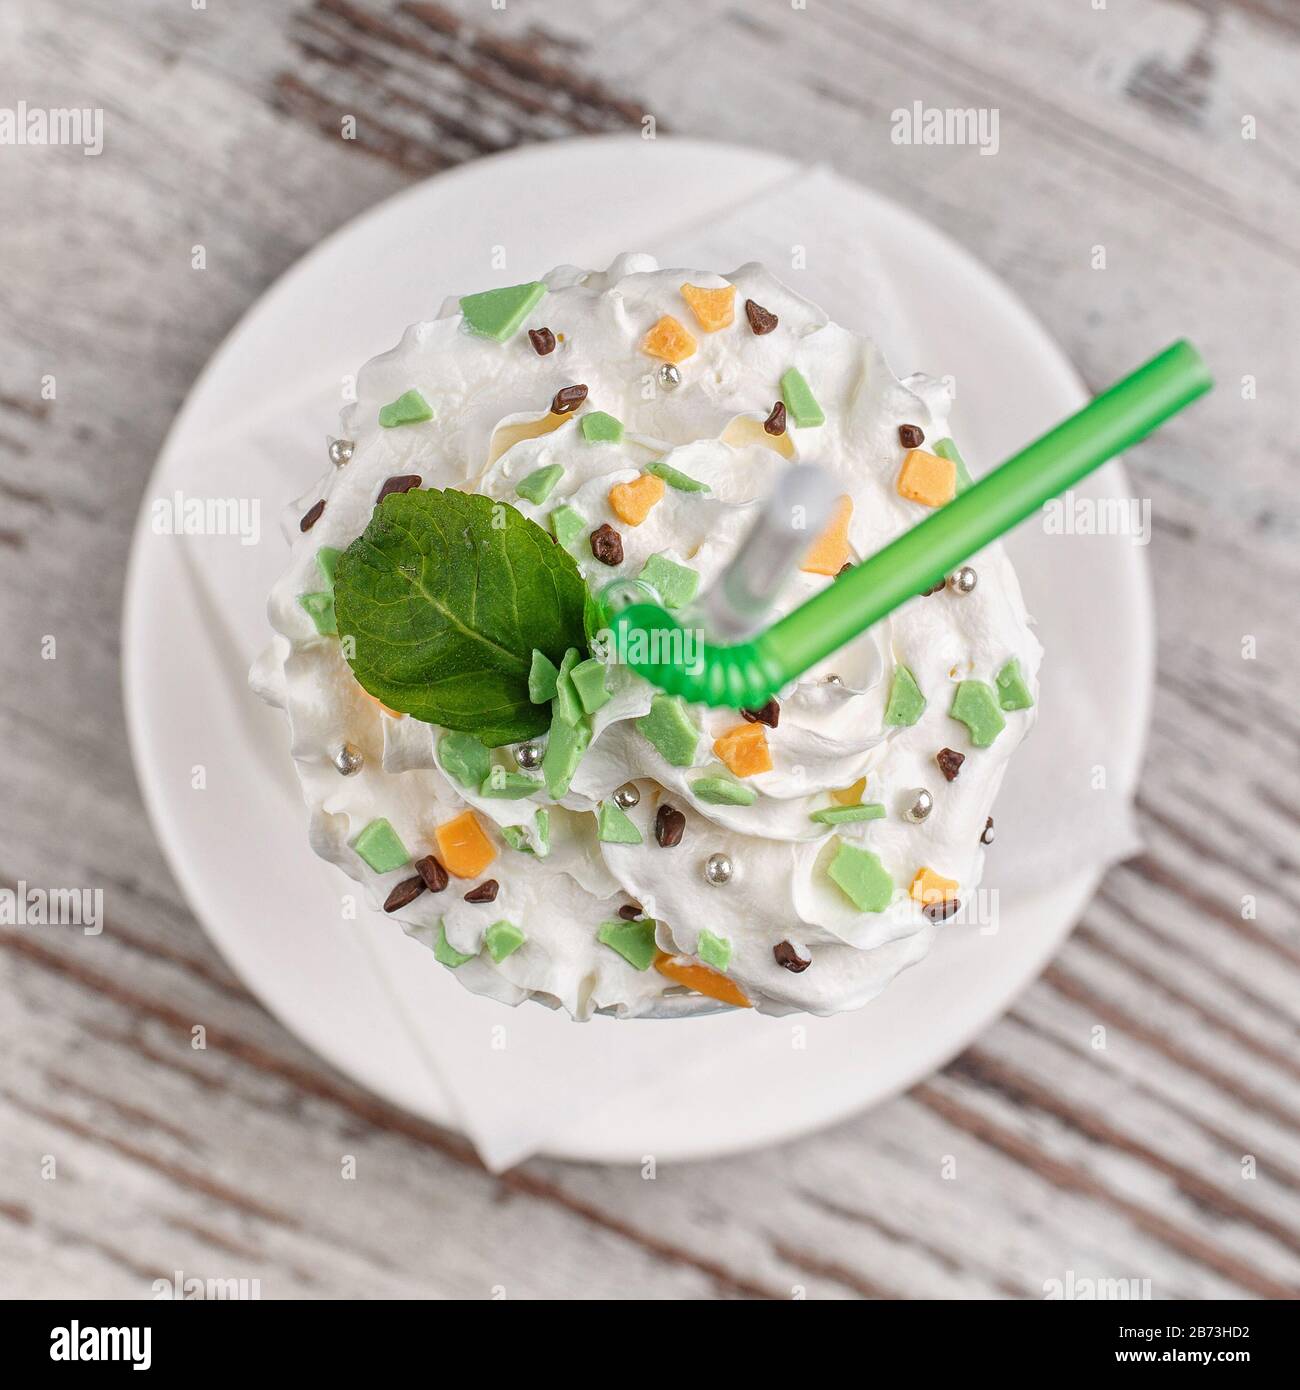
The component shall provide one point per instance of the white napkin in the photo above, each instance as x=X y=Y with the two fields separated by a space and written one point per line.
x=518 y=1078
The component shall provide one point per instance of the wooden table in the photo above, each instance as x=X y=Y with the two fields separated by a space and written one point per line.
x=1171 y=1155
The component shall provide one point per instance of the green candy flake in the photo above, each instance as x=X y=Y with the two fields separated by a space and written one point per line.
x=542 y=675
x=845 y=815
x=445 y=953
x=906 y=703
x=862 y=878
x=946 y=449
x=714 y=951
x=567 y=705
x=499 y=313
x=410 y=408
x=675 y=584
x=568 y=525
x=598 y=427
x=800 y=401
x=320 y=609
x=670 y=728
x=500 y=785
x=634 y=941
x=379 y=846
x=976 y=706
x=588 y=680
x=502 y=939
x=1013 y=693
x=678 y=480
x=614 y=826
x=723 y=791
x=327 y=557
x=539 y=484
x=464 y=757
x=564 y=750
x=536 y=840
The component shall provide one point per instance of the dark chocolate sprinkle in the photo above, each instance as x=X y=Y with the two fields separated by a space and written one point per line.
x=941 y=911
x=770 y=714
x=542 y=339
x=631 y=912
x=775 y=422
x=911 y=436
x=607 y=545
x=485 y=892
x=403 y=482
x=433 y=874
x=568 y=398
x=406 y=892
x=950 y=761
x=670 y=825
x=789 y=959
x=312 y=517
x=760 y=320
x=986 y=835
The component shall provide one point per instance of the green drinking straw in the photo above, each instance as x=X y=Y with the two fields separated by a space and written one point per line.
x=745 y=675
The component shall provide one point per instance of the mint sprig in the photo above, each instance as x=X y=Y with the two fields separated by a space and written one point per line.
x=445 y=596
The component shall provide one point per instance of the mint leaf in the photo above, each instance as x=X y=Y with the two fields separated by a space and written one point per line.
x=445 y=609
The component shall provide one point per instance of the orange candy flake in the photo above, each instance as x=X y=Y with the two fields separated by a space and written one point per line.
x=829 y=553
x=744 y=750
x=669 y=341
x=930 y=887
x=713 y=309
x=463 y=846
x=927 y=478
x=682 y=970
x=631 y=502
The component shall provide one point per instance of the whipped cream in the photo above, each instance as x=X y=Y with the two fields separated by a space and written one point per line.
x=491 y=428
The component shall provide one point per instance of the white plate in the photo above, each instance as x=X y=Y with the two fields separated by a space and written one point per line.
x=238 y=846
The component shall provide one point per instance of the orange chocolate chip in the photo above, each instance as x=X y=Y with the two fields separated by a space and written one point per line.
x=829 y=553
x=669 y=340
x=682 y=970
x=713 y=309
x=463 y=846
x=930 y=887
x=631 y=502
x=744 y=750
x=927 y=478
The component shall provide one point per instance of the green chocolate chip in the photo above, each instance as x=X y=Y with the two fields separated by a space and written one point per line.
x=446 y=953
x=861 y=876
x=634 y=941
x=500 y=785
x=588 y=679
x=976 y=706
x=564 y=750
x=320 y=609
x=501 y=939
x=536 y=840
x=678 y=480
x=327 y=558
x=946 y=449
x=379 y=846
x=671 y=730
x=498 y=313
x=845 y=815
x=1013 y=693
x=464 y=757
x=600 y=428
x=723 y=791
x=539 y=484
x=567 y=706
x=410 y=408
x=675 y=584
x=800 y=401
x=906 y=703
x=714 y=951
x=614 y=826
x=541 y=678
x=568 y=525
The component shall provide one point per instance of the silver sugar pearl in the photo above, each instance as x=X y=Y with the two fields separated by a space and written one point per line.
x=718 y=869
x=669 y=377
x=341 y=450
x=962 y=581
x=348 y=759
x=528 y=756
x=627 y=796
x=920 y=806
